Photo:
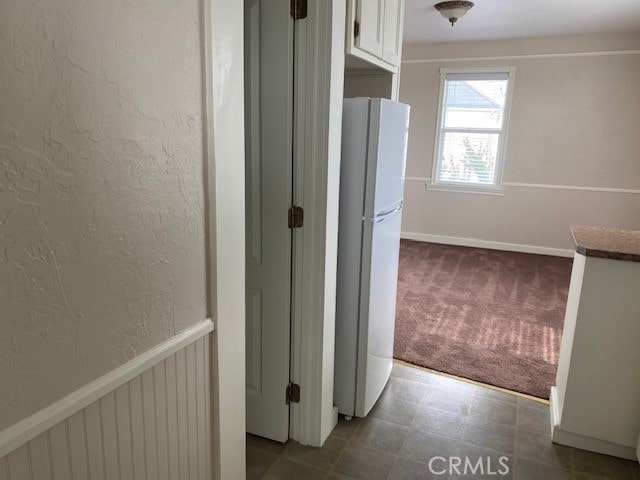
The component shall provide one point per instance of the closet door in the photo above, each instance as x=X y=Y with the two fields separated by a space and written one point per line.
x=269 y=130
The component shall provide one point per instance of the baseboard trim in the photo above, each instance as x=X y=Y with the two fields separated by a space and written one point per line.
x=25 y=430
x=554 y=413
x=576 y=440
x=591 y=444
x=472 y=242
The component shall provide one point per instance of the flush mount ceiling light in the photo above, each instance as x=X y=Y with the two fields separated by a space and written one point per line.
x=452 y=11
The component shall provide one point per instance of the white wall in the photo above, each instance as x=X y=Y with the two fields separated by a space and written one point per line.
x=358 y=83
x=575 y=122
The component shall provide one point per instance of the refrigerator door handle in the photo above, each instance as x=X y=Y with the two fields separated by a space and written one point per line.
x=380 y=217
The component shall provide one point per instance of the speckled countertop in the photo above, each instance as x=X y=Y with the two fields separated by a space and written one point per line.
x=608 y=243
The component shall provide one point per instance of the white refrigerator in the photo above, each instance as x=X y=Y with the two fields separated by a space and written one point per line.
x=374 y=148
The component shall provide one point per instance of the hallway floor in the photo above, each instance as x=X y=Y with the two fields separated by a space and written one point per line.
x=422 y=415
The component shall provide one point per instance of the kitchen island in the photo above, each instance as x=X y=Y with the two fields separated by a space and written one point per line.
x=595 y=404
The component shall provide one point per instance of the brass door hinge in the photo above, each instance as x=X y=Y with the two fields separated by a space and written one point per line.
x=296 y=215
x=356 y=28
x=293 y=393
x=298 y=9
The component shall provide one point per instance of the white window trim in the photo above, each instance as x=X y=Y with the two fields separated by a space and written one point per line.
x=495 y=189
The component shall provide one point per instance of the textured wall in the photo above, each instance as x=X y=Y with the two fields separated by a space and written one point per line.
x=101 y=189
x=575 y=121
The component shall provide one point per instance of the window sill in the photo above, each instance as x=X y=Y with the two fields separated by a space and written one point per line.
x=464 y=189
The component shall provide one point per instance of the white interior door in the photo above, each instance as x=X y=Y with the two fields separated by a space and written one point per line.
x=268 y=120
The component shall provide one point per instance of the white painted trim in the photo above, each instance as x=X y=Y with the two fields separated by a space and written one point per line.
x=418 y=179
x=457 y=188
x=630 y=191
x=526 y=56
x=554 y=413
x=32 y=426
x=319 y=64
x=501 y=69
x=476 y=243
x=224 y=161
x=573 y=187
x=437 y=143
x=503 y=133
x=570 y=439
x=506 y=121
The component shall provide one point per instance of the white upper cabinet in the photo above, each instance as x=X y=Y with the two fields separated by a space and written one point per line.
x=370 y=14
x=374 y=32
x=392 y=31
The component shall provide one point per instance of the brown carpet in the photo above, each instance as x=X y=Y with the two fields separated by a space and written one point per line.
x=487 y=315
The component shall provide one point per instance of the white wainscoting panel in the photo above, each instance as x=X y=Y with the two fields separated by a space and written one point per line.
x=155 y=426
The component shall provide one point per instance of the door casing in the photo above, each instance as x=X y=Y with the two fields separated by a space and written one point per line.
x=319 y=81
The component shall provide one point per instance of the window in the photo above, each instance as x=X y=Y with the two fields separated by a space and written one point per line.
x=472 y=125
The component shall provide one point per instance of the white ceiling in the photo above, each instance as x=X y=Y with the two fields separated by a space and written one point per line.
x=494 y=19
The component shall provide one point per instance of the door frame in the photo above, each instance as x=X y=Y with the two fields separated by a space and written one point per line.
x=318 y=119
x=319 y=79
x=221 y=31
x=318 y=122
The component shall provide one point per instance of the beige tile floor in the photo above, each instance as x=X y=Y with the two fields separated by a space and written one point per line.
x=422 y=415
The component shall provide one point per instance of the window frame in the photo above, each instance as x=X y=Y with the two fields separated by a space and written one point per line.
x=491 y=189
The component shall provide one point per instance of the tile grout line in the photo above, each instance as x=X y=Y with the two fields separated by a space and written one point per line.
x=475 y=395
x=272 y=465
x=404 y=441
x=515 y=441
x=518 y=432
x=281 y=456
x=342 y=451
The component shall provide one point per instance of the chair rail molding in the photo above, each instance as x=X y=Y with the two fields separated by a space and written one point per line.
x=525 y=56
x=25 y=430
x=583 y=188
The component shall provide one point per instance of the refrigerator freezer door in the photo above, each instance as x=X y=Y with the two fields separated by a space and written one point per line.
x=355 y=126
x=388 y=134
x=381 y=245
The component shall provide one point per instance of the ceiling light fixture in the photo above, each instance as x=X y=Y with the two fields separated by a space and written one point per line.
x=452 y=11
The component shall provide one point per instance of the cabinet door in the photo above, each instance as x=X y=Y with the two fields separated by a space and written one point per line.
x=369 y=15
x=392 y=31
